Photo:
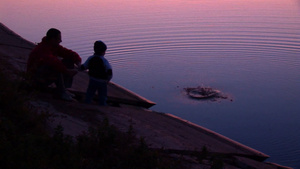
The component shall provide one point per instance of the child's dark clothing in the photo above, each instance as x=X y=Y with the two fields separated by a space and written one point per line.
x=100 y=72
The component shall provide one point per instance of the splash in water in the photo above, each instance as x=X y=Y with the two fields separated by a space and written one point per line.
x=201 y=92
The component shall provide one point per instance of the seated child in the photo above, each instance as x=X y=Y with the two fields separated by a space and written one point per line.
x=100 y=73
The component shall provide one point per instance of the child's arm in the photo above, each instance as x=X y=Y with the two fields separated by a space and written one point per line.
x=85 y=65
x=109 y=74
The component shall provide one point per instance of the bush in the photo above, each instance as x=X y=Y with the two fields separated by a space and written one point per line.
x=25 y=143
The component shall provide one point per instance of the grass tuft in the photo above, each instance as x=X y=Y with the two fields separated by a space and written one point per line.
x=26 y=144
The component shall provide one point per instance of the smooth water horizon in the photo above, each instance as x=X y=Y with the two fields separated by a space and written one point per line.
x=249 y=50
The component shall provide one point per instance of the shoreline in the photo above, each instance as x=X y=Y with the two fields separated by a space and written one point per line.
x=158 y=129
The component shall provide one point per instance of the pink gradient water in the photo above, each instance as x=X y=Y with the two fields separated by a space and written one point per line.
x=249 y=49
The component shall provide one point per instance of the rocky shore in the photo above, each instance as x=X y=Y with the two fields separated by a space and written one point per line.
x=162 y=131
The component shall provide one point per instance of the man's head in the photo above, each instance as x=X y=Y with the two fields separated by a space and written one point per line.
x=54 y=36
x=100 y=47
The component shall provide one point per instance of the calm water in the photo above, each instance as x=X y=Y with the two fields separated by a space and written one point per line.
x=248 y=49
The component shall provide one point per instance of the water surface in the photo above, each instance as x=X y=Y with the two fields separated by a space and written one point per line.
x=249 y=49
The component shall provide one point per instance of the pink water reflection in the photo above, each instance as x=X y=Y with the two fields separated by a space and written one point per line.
x=40 y=15
x=249 y=48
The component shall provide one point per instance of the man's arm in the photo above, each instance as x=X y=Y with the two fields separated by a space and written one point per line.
x=68 y=54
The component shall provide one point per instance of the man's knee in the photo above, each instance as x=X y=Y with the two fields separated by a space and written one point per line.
x=68 y=63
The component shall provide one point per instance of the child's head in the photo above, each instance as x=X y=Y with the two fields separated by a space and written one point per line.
x=99 y=47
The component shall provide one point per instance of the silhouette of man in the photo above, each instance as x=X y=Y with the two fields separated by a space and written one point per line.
x=49 y=62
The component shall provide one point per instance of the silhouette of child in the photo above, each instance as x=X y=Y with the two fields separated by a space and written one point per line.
x=100 y=73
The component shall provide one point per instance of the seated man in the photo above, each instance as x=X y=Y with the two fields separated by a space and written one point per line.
x=49 y=62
